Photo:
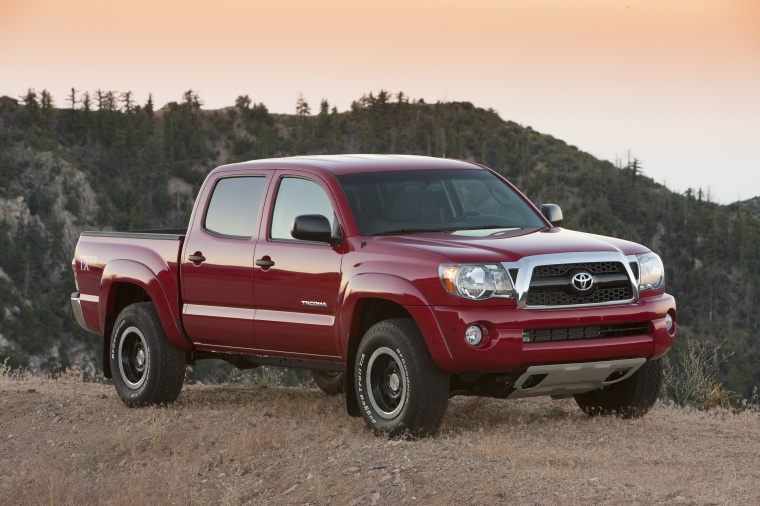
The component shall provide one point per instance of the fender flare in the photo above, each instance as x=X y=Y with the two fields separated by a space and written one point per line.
x=136 y=273
x=402 y=292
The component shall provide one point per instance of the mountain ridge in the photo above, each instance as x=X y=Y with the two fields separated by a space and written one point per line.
x=66 y=170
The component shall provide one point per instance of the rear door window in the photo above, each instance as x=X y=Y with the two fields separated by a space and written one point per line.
x=234 y=206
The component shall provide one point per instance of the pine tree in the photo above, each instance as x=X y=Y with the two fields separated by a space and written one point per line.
x=73 y=99
x=30 y=100
x=127 y=101
x=46 y=106
x=192 y=99
x=243 y=102
x=302 y=106
x=149 y=105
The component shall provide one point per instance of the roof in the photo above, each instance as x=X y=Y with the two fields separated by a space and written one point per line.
x=350 y=164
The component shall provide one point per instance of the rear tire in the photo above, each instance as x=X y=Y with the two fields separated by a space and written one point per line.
x=330 y=382
x=400 y=390
x=146 y=367
x=630 y=398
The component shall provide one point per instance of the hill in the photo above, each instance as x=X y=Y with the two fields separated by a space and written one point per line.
x=753 y=205
x=69 y=442
x=108 y=163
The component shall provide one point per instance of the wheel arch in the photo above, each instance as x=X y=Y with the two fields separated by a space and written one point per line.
x=371 y=298
x=125 y=282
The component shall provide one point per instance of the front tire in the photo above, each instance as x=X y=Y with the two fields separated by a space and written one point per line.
x=630 y=398
x=400 y=390
x=147 y=368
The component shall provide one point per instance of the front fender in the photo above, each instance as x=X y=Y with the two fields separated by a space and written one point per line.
x=402 y=292
x=135 y=273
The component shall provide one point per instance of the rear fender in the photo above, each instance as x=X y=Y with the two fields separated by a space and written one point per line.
x=402 y=292
x=131 y=272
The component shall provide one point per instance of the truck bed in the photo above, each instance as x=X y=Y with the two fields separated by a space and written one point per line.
x=156 y=251
x=158 y=233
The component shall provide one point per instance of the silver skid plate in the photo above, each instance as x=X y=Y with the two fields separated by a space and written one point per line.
x=567 y=379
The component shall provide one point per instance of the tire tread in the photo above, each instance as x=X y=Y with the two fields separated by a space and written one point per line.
x=169 y=361
x=331 y=384
x=631 y=398
x=427 y=414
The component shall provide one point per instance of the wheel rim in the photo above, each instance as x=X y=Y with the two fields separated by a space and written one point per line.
x=387 y=385
x=133 y=357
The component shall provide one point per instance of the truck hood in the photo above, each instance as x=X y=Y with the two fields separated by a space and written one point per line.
x=510 y=245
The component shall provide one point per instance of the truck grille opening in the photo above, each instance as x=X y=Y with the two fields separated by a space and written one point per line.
x=552 y=271
x=563 y=299
x=587 y=332
x=552 y=285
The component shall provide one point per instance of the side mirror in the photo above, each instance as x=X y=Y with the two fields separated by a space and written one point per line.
x=553 y=213
x=313 y=227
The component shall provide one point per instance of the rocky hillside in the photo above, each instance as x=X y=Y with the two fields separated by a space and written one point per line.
x=108 y=163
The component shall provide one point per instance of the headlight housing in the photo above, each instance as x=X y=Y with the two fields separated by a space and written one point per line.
x=651 y=271
x=476 y=281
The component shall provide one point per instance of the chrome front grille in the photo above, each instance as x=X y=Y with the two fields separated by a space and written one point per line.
x=559 y=280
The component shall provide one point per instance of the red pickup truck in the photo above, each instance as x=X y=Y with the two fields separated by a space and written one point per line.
x=399 y=280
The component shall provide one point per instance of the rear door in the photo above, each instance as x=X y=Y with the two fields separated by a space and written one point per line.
x=217 y=263
x=296 y=283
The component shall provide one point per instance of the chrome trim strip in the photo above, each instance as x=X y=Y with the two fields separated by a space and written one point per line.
x=231 y=313
x=76 y=307
x=291 y=317
x=89 y=298
x=635 y=259
x=527 y=264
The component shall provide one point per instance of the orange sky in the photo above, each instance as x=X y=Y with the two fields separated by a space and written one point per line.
x=676 y=82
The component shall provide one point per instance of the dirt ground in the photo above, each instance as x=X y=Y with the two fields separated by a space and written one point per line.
x=68 y=442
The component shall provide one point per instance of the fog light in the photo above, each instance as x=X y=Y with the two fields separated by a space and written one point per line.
x=473 y=335
x=670 y=324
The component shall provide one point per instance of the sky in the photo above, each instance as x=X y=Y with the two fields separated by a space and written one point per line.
x=673 y=83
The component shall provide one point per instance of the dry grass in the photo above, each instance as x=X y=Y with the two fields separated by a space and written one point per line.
x=68 y=442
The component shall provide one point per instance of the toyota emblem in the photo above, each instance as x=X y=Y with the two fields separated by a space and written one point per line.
x=583 y=281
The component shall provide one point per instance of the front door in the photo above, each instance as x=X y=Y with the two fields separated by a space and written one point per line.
x=296 y=283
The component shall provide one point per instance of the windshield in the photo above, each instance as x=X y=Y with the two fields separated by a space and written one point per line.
x=434 y=200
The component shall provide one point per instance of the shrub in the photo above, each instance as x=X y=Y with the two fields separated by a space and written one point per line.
x=692 y=378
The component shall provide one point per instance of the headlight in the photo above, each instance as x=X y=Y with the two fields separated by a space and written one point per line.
x=651 y=271
x=476 y=281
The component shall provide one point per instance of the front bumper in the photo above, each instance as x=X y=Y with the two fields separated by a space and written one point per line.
x=505 y=351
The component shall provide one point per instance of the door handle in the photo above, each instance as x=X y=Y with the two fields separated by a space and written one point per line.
x=196 y=258
x=264 y=263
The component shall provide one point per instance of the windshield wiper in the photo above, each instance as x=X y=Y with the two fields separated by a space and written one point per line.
x=452 y=229
x=484 y=227
x=406 y=231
